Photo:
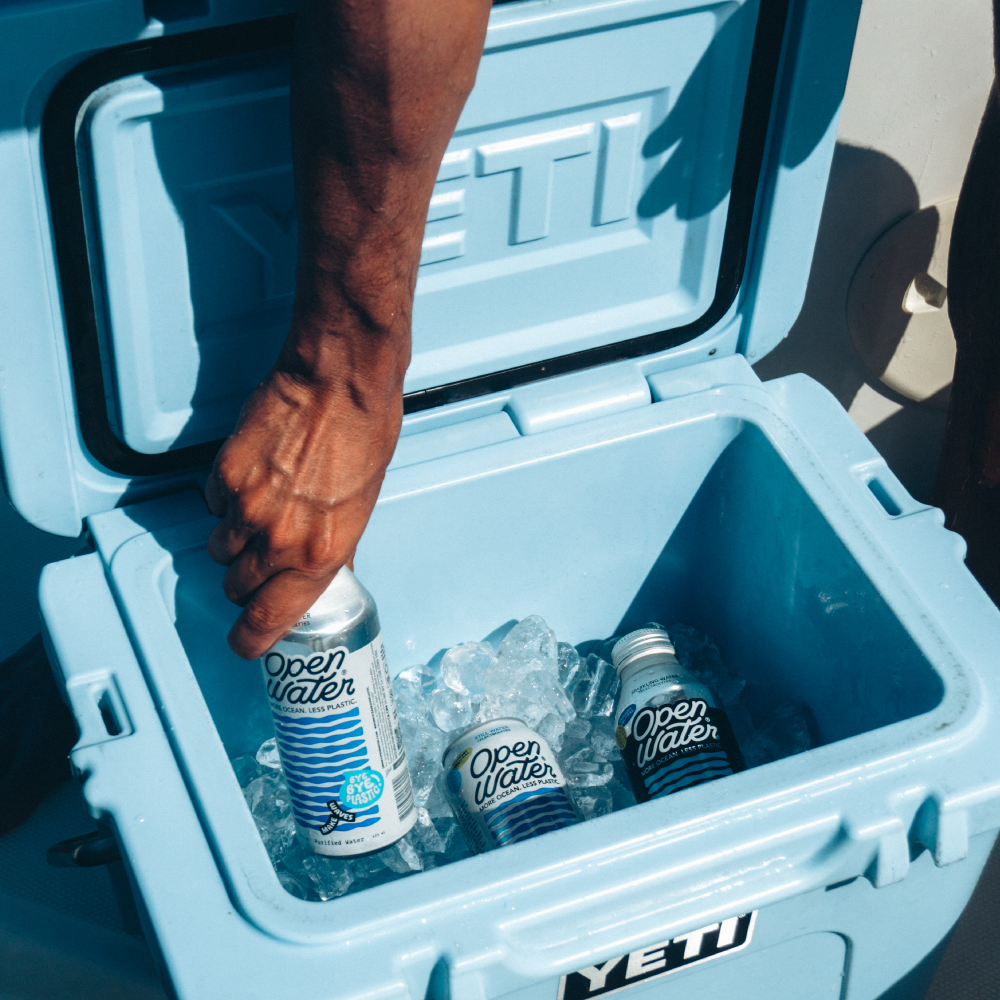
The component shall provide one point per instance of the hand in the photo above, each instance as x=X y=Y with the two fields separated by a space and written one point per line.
x=377 y=89
x=295 y=485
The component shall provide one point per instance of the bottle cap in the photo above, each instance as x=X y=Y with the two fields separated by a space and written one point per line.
x=642 y=642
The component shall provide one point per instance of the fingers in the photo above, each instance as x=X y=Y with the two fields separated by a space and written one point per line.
x=272 y=610
x=228 y=538
x=248 y=571
x=216 y=495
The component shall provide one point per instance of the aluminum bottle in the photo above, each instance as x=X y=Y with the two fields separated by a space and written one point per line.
x=505 y=785
x=670 y=731
x=336 y=725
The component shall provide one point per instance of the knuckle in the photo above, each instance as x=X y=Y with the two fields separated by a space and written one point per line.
x=318 y=556
x=280 y=541
x=219 y=550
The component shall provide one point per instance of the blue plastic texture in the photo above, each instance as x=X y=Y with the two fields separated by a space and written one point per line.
x=740 y=507
x=556 y=224
x=586 y=188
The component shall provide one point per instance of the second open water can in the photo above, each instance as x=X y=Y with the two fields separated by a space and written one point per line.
x=505 y=786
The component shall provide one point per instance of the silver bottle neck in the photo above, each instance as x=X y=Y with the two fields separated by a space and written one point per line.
x=644 y=647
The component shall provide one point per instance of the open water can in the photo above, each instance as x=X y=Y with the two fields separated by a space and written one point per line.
x=624 y=220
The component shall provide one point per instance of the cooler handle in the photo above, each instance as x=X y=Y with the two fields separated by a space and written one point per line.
x=99 y=708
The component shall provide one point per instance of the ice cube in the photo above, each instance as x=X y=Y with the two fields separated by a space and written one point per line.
x=530 y=645
x=438 y=806
x=569 y=664
x=424 y=748
x=402 y=857
x=330 y=877
x=594 y=690
x=267 y=755
x=451 y=709
x=364 y=868
x=603 y=738
x=271 y=807
x=246 y=769
x=576 y=737
x=412 y=689
x=419 y=680
x=699 y=654
x=426 y=836
x=592 y=802
x=586 y=769
x=590 y=779
x=551 y=729
x=465 y=668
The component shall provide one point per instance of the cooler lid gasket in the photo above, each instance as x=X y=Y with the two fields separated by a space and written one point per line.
x=77 y=265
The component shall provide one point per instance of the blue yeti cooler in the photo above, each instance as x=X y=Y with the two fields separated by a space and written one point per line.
x=624 y=219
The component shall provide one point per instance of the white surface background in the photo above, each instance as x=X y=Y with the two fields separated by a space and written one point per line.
x=920 y=76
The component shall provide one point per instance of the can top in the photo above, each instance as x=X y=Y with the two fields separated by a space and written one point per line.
x=652 y=638
x=343 y=615
x=473 y=729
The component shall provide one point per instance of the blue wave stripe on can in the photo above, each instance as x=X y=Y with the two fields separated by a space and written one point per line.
x=315 y=755
x=315 y=795
x=692 y=778
x=669 y=776
x=680 y=764
x=316 y=730
x=308 y=743
x=680 y=774
x=524 y=826
x=535 y=831
x=319 y=760
x=327 y=771
x=530 y=814
x=342 y=753
x=500 y=812
x=326 y=777
x=305 y=754
x=335 y=762
x=317 y=742
x=326 y=723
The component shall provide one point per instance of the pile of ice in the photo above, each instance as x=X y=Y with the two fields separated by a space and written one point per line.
x=566 y=697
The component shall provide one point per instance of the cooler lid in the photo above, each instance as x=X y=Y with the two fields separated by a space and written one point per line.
x=627 y=179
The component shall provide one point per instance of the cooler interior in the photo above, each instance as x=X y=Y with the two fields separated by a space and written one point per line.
x=697 y=520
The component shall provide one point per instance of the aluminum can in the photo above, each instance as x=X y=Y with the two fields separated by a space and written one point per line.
x=504 y=785
x=670 y=731
x=336 y=726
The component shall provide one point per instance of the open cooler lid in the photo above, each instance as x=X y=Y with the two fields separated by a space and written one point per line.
x=635 y=178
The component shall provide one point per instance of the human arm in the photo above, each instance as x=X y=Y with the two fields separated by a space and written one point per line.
x=377 y=88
